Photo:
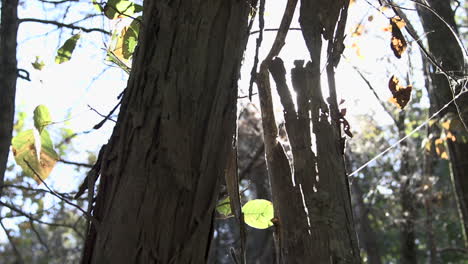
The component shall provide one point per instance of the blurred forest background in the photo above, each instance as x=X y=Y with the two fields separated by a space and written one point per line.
x=409 y=202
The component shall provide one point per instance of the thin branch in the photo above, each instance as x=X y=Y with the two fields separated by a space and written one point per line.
x=27 y=188
x=382 y=103
x=76 y=163
x=450 y=77
x=61 y=197
x=58 y=2
x=19 y=258
x=253 y=72
x=273 y=29
x=59 y=24
x=39 y=237
x=37 y=220
x=448 y=249
x=108 y=117
x=407 y=135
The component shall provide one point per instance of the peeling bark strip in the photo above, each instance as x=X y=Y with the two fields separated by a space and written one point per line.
x=162 y=166
x=8 y=73
x=329 y=236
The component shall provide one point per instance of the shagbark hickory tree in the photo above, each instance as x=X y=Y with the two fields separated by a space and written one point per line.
x=162 y=168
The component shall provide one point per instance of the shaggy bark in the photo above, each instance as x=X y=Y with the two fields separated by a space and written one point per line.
x=162 y=166
x=8 y=33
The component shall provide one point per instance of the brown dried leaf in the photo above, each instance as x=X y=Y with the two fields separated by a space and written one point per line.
x=401 y=94
x=398 y=43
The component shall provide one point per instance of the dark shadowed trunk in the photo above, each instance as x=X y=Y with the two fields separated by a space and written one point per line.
x=443 y=46
x=162 y=167
x=408 y=247
x=367 y=236
x=8 y=32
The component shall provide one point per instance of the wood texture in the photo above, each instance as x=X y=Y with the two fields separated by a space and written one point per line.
x=162 y=166
x=8 y=73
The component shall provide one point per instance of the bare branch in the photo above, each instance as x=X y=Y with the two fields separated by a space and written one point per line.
x=37 y=220
x=19 y=258
x=63 y=25
x=382 y=103
x=58 y=2
x=39 y=237
x=76 y=163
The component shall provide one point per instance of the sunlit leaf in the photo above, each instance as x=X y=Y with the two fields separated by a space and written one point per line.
x=451 y=136
x=398 y=43
x=358 y=31
x=24 y=147
x=224 y=207
x=426 y=144
x=42 y=117
x=440 y=148
x=65 y=52
x=38 y=64
x=258 y=213
x=130 y=38
x=401 y=94
x=121 y=8
x=97 y=6
x=19 y=124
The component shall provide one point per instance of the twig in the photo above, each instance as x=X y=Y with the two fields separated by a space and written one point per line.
x=37 y=220
x=407 y=135
x=39 y=237
x=410 y=29
x=59 y=24
x=19 y=258
x=273 y=29
x=76 y=163
x=382 y=103
x=108 y=117
x=101 y=115
x=253 y=72
x=460 y=250
x=26 y=188
x=61 y=197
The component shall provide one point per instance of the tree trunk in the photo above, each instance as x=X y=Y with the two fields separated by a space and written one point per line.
x=367 y=236
x=162 y=168
x=314 y=222
x=443 y=46
x=8 y=33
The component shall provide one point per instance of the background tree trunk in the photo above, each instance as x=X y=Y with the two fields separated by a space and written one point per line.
x=443 y=46
x=163 y=164
x=408 y=247
x=8 y=32
x=367 y=237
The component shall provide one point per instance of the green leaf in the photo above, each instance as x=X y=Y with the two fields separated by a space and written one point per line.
x=224 y=207
x=38 y=64
x=19 y=124
x=258 y=213
x=121 y=8
x=26 y=147
x=98 y=6
x=65 y=52
x=130 y=38
x=41 y=117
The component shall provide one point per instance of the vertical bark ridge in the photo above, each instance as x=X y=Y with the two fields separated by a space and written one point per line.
x=168 y=150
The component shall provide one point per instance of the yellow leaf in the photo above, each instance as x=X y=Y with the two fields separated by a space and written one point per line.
x=446 y=124
x=444 y=155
